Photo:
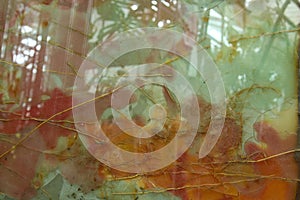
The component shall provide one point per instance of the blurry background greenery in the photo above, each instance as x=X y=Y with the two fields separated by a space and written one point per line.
x=253 y=42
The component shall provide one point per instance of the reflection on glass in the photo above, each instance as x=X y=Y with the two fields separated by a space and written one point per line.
x=254 y=45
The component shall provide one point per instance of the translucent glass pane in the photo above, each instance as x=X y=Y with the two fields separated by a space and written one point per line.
x=149 y=99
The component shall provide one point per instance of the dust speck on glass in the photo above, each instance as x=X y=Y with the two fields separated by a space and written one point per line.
x=149 y=99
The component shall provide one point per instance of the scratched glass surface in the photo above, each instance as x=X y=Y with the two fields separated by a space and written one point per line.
x=254 y=44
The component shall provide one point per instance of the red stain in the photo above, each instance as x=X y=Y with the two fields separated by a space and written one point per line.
x=18 y=121
x=182 y=177
x=283 y=167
